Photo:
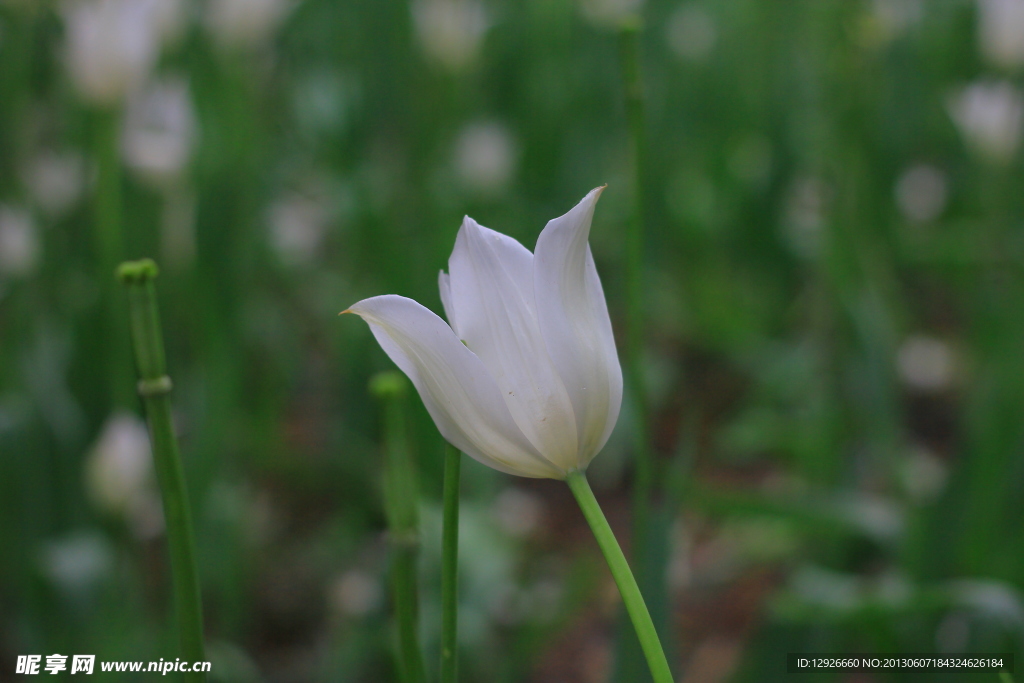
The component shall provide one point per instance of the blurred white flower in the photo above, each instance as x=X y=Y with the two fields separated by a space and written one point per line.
x=324 y=101
x=691 y=32
x=19 y=243
x=55 y=180
x=450 y=31
x=1001 y=32
x=297 y=222
x=874 y=516
x=990 y=115
x=991 y=598
x=76 y=562
x=159 y=128
x=355 y=593
x=119 y=474
x=921 y=193
x=244 y=23
x=609 y=13
x=485 y=157
x=925 y=363
x=113 y=44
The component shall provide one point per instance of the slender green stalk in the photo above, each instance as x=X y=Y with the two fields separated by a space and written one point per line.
x=1005 y=677
x=450 y=567
x=108 y=243
x=647 y=557
x=154 y=387
x=400 y=501
x=631 y=596
x=629 y=53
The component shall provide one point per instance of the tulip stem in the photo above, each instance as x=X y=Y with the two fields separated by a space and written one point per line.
x=154 y=386
x=450 y=567
x=400 y=504
x=634 y=601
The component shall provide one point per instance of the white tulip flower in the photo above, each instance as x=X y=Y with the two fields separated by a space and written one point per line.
x=990 y=116
x=526 y=378
x=112 y=45
x=1001 y=32
x=159 y=130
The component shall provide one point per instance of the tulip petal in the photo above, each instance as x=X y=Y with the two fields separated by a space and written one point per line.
x=574 y=320
x=492 y=294
x=444 y=284
x=456 y=388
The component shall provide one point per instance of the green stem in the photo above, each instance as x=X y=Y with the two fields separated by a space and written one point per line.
x=1005 y=677
x=450 y=567
x=154 y=387
x=403 y=590
x=400 y=503
x=629 y=54
x=108 y=243
x=634 y=601
x=628 y=665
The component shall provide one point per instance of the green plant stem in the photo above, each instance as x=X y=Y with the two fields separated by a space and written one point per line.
x=629 y=54
x=1005 y=677
x=404 y=593
x=400 y=503
x=108 y=243
x=646 y=556
x=634 y=601
x=450 y=567
x=154 y=386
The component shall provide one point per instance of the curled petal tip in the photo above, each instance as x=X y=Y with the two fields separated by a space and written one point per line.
x=347 y=310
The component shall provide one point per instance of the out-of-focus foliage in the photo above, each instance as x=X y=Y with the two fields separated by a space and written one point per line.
x=835 y=321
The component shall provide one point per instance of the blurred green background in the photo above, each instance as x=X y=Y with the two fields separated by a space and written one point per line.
x=834 y=338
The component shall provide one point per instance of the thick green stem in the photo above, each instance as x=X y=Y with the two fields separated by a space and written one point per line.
x=404 y=593
x=400 y=502
x=450 y=567
x=154 y=386
x=634 y=601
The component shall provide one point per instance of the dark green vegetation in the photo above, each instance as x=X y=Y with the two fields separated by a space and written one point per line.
x=834 y=330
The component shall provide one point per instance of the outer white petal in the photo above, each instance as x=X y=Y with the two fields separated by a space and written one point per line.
x=574 y=320
x=456 y=388
x=492 y=293
x=444 y=285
